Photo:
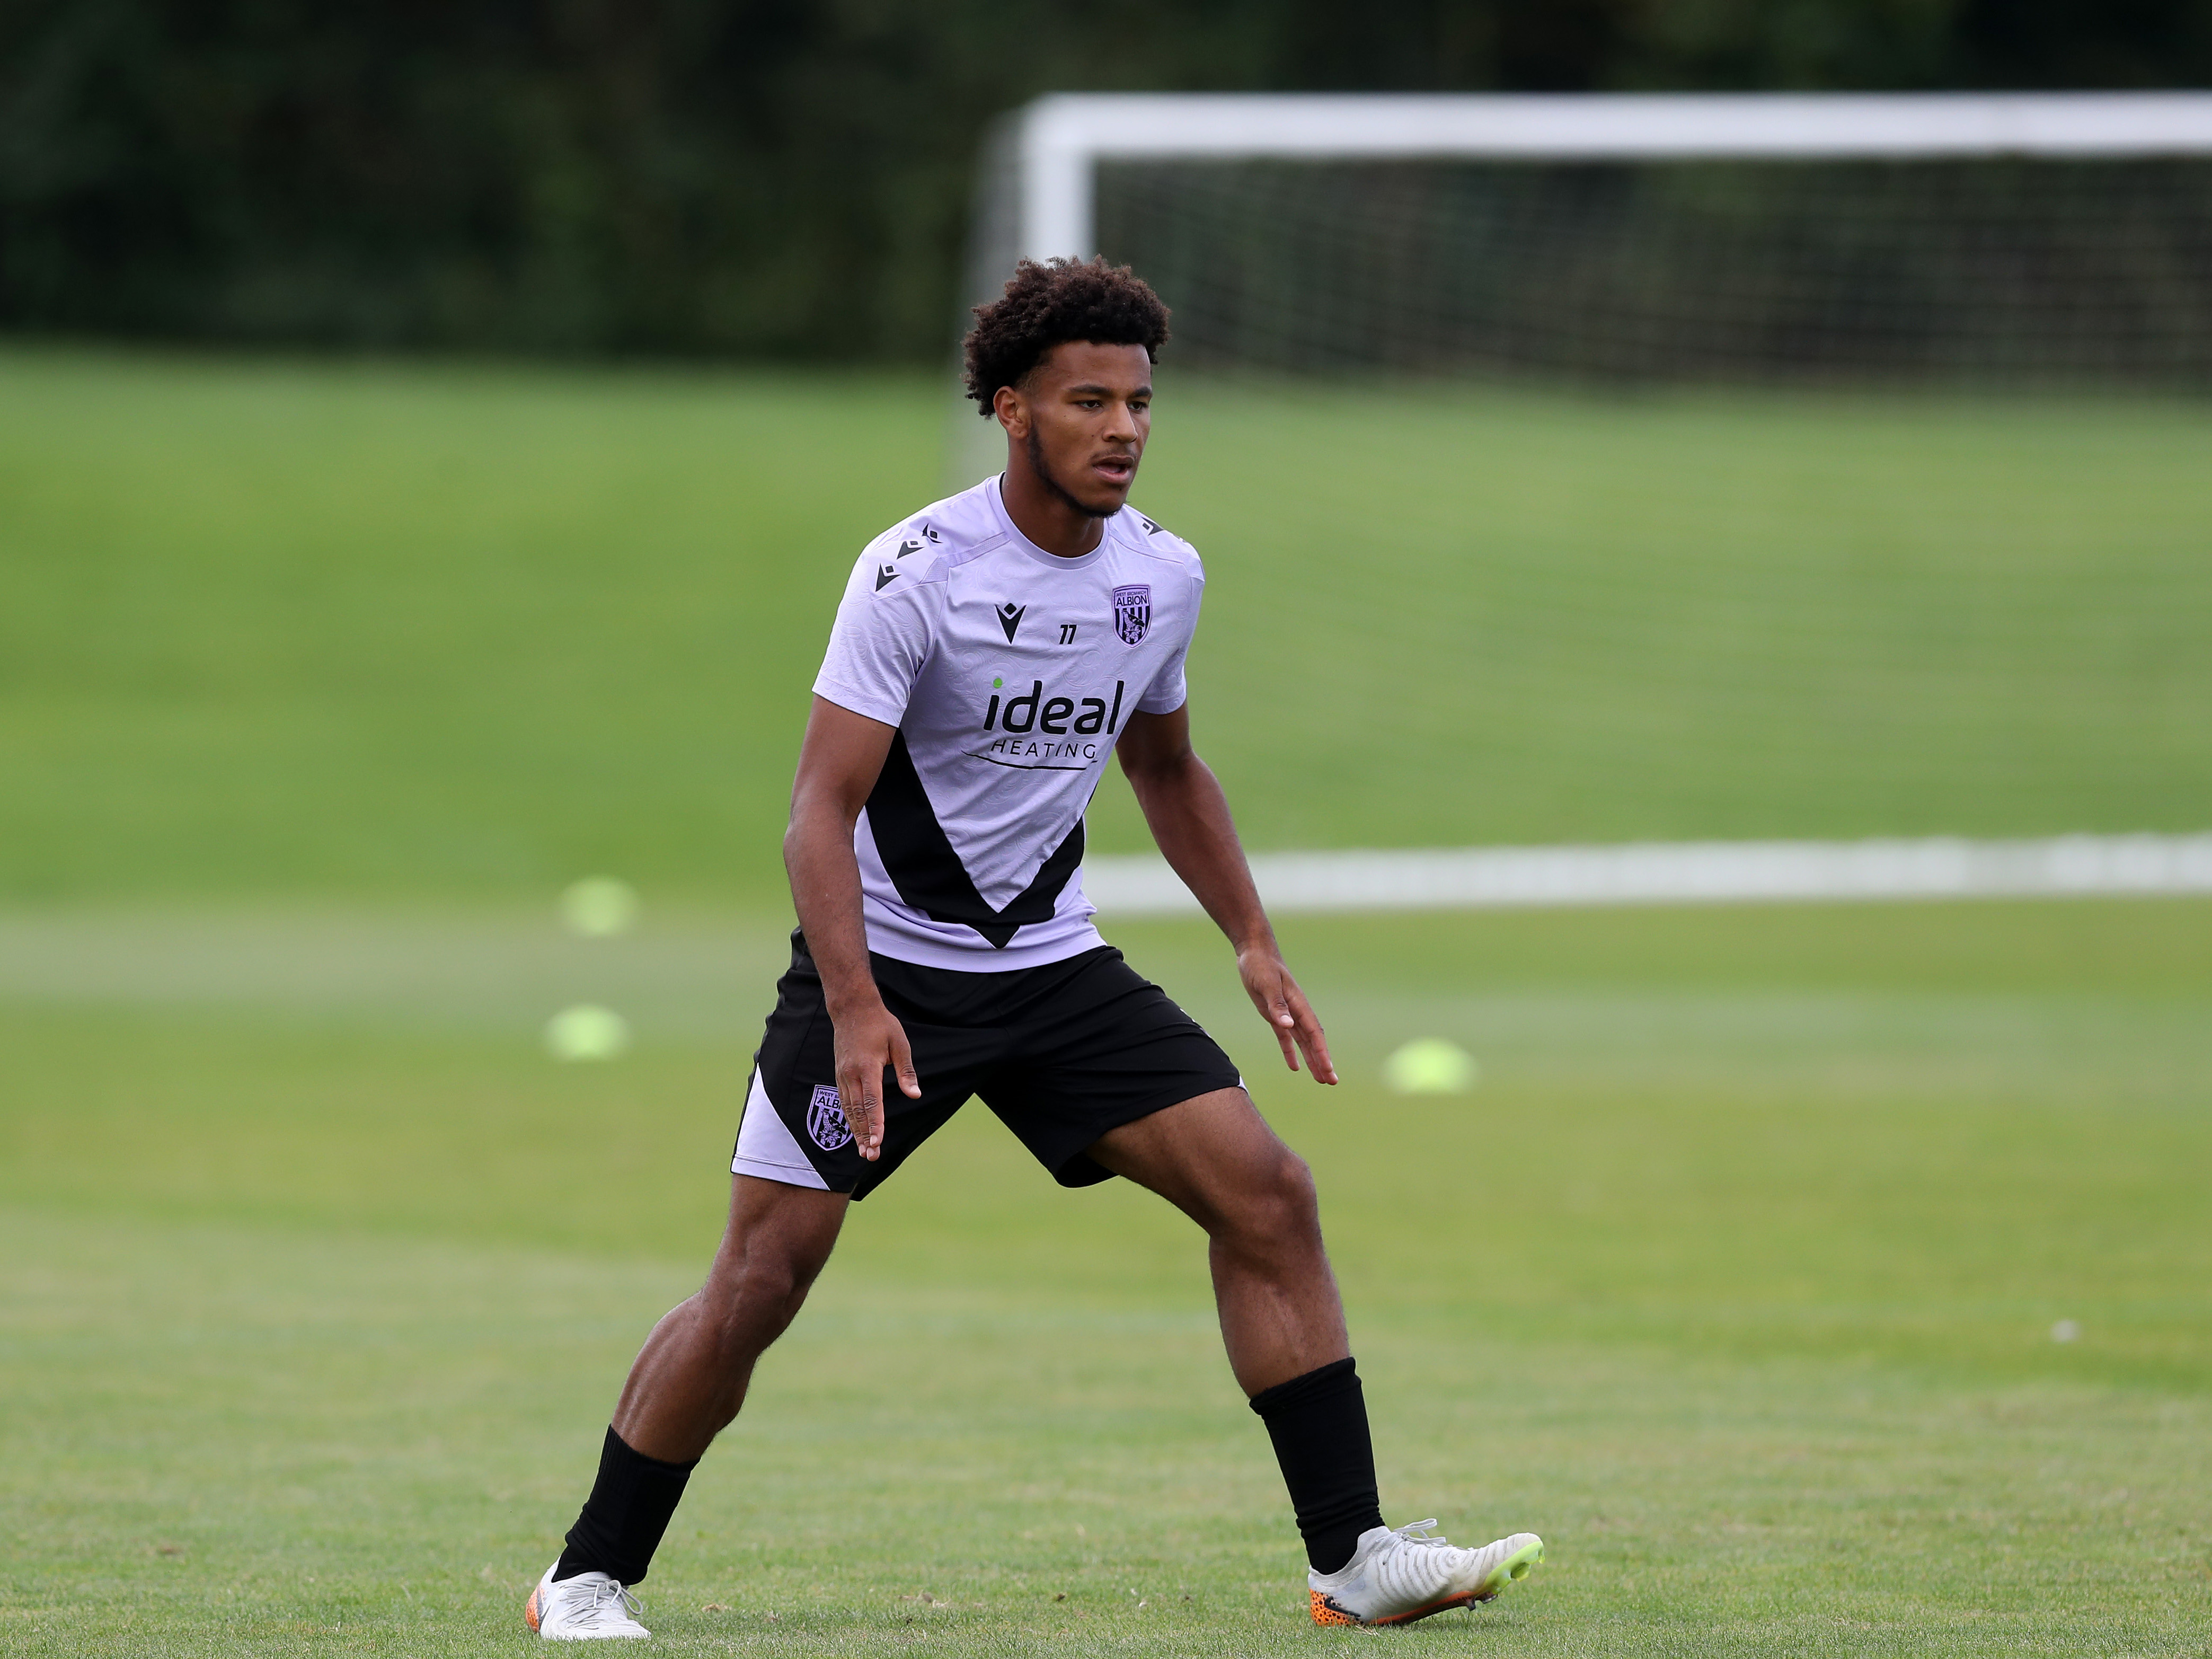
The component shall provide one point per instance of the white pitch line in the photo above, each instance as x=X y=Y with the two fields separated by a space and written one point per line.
x=1681 y=872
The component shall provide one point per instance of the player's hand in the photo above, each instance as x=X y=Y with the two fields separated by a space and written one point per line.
x=870 y=1041
x=1286 y=1011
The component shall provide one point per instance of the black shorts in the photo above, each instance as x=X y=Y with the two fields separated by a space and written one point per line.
x=1061 y=1053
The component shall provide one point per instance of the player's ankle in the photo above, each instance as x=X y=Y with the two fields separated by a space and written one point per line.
x=621 y=1524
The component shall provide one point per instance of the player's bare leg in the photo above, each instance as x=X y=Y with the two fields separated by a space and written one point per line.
x=690 y=1377
x=1215 y=1159
x=684 y=1388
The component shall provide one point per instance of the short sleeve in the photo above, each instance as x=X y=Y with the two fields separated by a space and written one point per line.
x=1168 y=691
x=877 y=646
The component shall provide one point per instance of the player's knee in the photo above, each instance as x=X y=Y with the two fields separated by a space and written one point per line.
x=1299 y=1200
x=751 y=1300
x=1281 y=1210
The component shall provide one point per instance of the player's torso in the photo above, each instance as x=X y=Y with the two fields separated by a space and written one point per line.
x=1036 y=670
x=1027 y=668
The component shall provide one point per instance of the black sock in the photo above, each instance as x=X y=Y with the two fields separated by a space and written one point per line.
x=1319 y=1425
x=623 y=1520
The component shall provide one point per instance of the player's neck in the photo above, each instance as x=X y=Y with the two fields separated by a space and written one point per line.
x=1041 y=513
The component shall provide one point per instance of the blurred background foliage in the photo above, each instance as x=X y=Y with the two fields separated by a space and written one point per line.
x=784 y=178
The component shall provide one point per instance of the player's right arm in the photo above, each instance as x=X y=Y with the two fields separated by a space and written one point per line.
x=838 y=763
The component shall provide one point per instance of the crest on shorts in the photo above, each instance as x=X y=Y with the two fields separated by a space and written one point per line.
x=1133 y=612
x=825 y=1120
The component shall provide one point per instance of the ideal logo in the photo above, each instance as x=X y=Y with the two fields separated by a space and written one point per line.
x=885 y=576
x=1052 y=715
x=1009 y=617
x=825 y=1120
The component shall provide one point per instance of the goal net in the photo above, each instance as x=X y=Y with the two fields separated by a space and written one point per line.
x=1963 y=272
x=1950 y=240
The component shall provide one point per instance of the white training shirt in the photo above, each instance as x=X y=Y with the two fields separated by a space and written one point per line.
x=1008 y=672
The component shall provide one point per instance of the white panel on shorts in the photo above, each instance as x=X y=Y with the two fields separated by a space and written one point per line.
x=765 y=1147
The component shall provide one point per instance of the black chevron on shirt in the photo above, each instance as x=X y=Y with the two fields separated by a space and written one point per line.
x=928 y=873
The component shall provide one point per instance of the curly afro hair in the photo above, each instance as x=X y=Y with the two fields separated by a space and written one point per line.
x=1047 y=305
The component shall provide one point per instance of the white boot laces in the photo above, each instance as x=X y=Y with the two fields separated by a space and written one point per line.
x=1419 y=1534
x=609 y=1602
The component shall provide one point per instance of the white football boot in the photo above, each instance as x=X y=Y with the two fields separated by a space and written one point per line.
x=1395 y=1578
x=589 y=1608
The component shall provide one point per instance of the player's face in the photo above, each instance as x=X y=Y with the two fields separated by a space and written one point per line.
x=1090 y=409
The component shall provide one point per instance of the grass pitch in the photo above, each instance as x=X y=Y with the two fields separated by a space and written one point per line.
x=1736 y=1277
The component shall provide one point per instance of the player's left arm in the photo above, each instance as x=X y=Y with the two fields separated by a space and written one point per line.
x=1189 y=818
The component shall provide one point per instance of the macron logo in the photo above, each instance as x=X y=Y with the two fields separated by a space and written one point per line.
x=1010 y=618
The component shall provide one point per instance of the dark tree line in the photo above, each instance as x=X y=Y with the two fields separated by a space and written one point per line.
x=760 y=178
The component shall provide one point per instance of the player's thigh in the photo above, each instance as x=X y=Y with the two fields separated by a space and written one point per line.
x=1214 y=1157
x=793 y=1129
x=777 y=1238
x=1093 y=1045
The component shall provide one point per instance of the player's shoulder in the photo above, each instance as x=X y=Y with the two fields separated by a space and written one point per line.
x=1146 y=537
x=919 y=551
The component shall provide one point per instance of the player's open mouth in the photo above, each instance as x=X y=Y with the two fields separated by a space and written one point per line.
x=1115 y=469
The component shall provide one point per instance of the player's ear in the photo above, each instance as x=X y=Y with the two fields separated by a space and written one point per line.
x=1012 y=411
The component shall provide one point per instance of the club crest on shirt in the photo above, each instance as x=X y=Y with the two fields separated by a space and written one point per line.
x=825 y=1120
x=1133 y=612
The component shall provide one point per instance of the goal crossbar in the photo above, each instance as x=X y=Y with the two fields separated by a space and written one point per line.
x=1057 y=141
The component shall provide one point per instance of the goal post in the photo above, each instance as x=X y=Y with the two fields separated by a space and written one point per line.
x=1058 y=141
x=1477 y=215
